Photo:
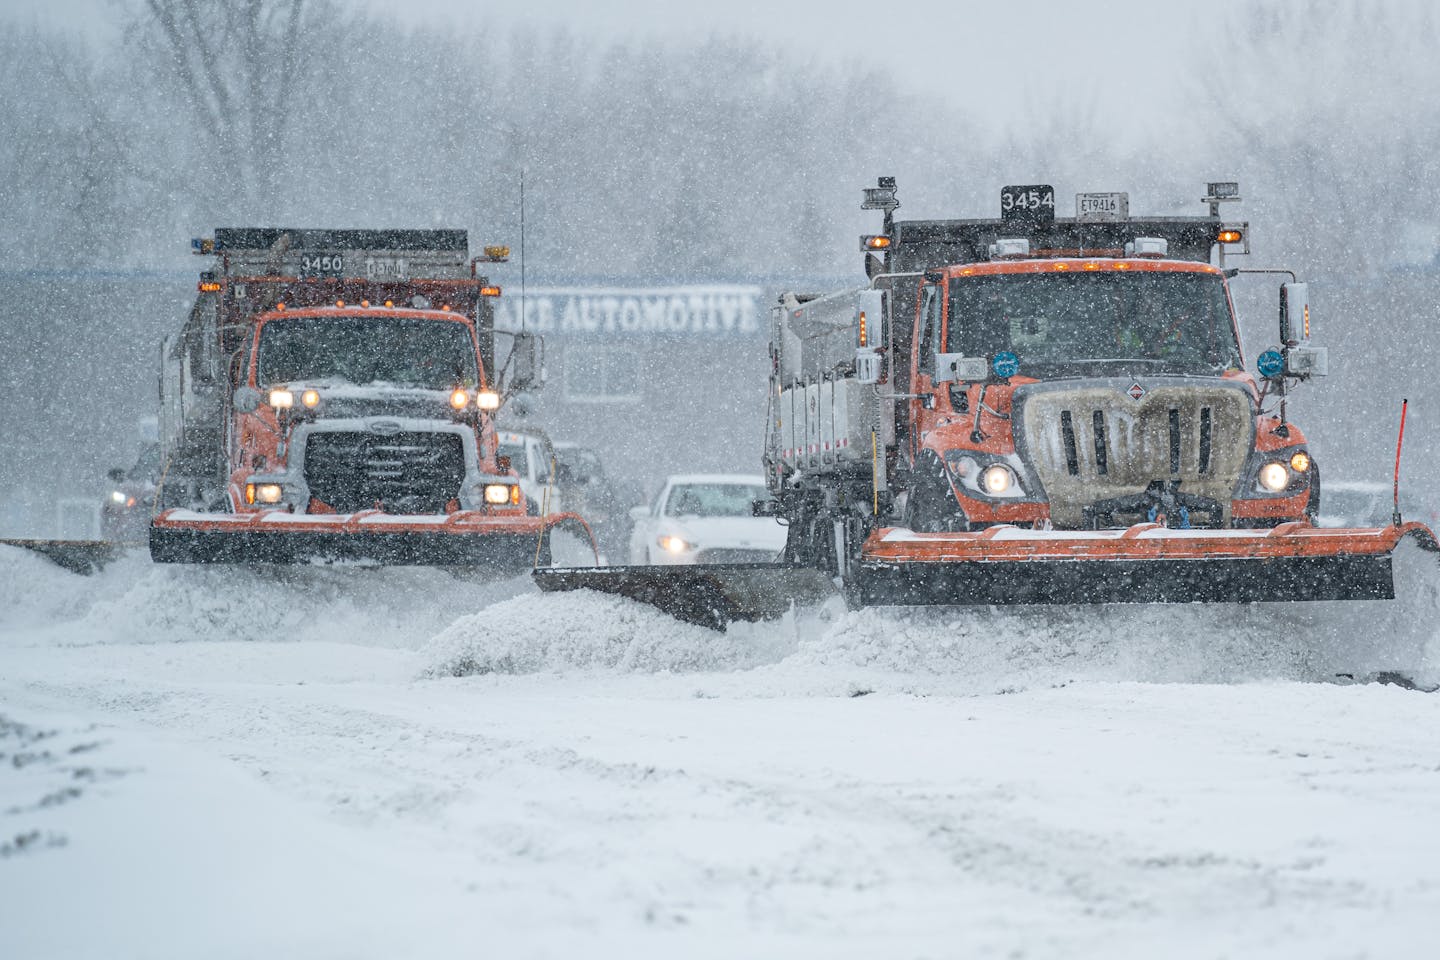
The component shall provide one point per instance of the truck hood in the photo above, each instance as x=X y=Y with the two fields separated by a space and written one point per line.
x=1092 y=441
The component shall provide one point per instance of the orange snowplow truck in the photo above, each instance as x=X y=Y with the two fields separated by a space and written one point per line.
x=1037 y=409
x=332 y=397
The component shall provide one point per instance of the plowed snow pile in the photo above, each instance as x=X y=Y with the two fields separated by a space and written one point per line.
x=582 y=630
x=133 y=601
x=951 y=650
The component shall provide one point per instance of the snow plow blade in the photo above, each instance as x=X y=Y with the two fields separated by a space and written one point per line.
x=77 y=556
x=1143 y=564
x=466 y=538
x=708 y=594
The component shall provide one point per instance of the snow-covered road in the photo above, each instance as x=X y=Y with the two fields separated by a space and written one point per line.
x=391 y=764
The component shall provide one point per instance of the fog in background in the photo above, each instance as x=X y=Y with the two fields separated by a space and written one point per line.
x=722 y=144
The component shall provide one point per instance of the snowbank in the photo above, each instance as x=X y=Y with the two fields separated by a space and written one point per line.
x=590 y=631
x=134 y=601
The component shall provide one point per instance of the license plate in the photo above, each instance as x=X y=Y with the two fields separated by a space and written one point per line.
x=1102 y=206
x=377 y=268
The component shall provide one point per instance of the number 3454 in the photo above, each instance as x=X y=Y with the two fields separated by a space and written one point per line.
x=1027 y=200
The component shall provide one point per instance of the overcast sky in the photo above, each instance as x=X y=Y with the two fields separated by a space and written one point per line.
x=1000 y=59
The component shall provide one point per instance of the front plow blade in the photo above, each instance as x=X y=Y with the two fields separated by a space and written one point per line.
x=467 y=538
x=1144 y=564
x=710 y=595
x=77 y=556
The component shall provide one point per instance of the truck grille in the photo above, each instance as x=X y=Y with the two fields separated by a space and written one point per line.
x=1092 y=442
x=401 y=473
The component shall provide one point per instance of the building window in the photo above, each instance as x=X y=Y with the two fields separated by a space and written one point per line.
x=601 y=373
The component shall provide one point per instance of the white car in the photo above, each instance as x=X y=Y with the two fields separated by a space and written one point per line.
x=706 y=518
x=531 y=456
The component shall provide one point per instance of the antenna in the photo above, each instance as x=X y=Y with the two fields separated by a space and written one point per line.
x=1399 y=442
x=522 y=249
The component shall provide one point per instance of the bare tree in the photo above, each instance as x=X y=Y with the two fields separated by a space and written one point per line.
x=235 y=70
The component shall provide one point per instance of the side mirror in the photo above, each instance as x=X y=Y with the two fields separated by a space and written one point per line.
x=639 y=513
x=246 y=399
x=526 y=364
x=1294 y=313
x=953 y=367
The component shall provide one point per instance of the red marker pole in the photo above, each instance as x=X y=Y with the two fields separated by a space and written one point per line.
x=1400 y=442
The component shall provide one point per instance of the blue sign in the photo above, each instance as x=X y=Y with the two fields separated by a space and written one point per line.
x=1271 y=364
x=1005 y=364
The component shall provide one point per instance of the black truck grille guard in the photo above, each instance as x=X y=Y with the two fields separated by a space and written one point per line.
x=407 y=472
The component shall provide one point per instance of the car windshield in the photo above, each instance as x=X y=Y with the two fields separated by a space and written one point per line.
x=1083 y=322
x=713 y=499
x=147 y=465
x=582 y=464
x=516 y=453
x=434 y=354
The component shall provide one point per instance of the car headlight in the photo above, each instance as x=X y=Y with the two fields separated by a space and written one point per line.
x=282 y=399
x=501 y=493
x=674 y=544
x=1274 y=477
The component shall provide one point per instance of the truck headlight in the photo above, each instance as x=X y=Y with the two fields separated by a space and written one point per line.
x=459 y=399
x=117 y=497
x=282 y=399
x=501 y=493
x=996 y=480
x=1274 y=477
x=487 y=400
x=673 y=544
x=263 y=492
x=311 y=398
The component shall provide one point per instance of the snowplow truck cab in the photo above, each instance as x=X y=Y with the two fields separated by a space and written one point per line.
x=1011 y=397
x=332 y=397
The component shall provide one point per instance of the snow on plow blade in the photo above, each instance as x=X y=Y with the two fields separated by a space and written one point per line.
x=1143 y=564
x=466 y=538
x=708 y=594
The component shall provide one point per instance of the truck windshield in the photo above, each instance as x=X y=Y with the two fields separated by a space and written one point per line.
x=1099 y=322
x=434 y=354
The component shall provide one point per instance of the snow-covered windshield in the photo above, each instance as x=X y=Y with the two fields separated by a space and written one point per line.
x=436 y=354
x=1083 y=321
x=712 y=499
